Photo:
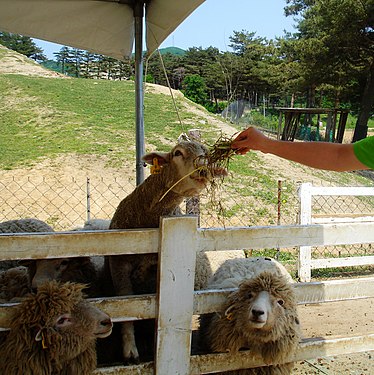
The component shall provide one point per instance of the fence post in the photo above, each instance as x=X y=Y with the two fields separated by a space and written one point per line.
x=305 y=252
x=177 y=257
x=88 y=199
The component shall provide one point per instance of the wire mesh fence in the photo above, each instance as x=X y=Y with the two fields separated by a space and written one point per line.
x=341 y=207
x=66 y=204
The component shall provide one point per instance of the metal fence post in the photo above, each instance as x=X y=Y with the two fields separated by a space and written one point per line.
x=88 y=199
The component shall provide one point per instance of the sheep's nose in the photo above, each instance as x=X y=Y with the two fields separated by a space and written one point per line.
x=257 y=313
x=106 y=323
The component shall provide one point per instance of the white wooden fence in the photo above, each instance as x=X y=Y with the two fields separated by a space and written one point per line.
x=177 y=241
x=306 y=192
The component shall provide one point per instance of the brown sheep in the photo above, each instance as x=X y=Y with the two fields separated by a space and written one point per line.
x=14 y=284
x=181 y=175
x=76 y=269
x=53 y=333
x=260 y=316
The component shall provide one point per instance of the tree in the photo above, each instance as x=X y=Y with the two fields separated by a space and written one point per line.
x=195 y=89
x=337 y=37
x=22 y=44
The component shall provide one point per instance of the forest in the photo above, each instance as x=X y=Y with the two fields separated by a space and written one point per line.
x=328 y=63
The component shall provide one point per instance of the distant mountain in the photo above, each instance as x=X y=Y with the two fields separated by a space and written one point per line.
x=173 y=51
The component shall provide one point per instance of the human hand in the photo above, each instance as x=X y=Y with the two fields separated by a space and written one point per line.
x=247 y=140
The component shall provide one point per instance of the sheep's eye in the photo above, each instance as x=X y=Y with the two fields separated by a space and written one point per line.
x=249 y=295
x=280 y=302
x=62 y=321
x=178 y=153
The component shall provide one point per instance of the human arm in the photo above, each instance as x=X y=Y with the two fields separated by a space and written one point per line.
x=320 y=155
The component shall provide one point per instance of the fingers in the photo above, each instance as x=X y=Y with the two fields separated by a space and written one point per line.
x=241 y=151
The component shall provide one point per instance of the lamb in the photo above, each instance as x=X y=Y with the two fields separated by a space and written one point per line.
x=21 y=226
x=260 y=316
x=53 y=332
x=182 y=174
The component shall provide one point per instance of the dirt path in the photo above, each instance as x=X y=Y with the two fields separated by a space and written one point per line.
x=355 y=317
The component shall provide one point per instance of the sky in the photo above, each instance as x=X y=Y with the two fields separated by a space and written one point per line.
x=214 y=21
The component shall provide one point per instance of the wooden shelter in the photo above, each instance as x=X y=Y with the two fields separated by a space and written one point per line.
x=301 y=119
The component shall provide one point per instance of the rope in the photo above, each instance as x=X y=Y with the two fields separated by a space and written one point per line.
x=169 y=86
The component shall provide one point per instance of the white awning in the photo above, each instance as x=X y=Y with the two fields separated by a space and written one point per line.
x=99 y=26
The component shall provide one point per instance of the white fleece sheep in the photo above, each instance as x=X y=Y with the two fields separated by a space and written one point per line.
x=24 y=226
x=261 y=315
x=233 y=271
x=29 y=225
x=94 y=224
x=208 y=262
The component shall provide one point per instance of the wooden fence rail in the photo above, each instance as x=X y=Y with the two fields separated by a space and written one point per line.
x=306 y=192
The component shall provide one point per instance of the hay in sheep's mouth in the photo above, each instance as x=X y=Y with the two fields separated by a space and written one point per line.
x=214 y=164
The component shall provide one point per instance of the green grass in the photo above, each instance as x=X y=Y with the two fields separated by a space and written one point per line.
x=45 y=117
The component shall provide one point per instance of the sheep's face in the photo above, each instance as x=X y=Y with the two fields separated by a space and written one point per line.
x=62 y=321
x=262 y=309
x=261 y=306
x=187 y=170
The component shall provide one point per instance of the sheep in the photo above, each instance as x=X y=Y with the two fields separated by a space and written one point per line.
x=53 y=332
x=208 y=262
x=261 y=315
x=76 y=269
x=29 y=225
x=86 y=270
x=94 y=224
x=24 y=226
x=14 y=284
x=181 y=174
x=233 y=271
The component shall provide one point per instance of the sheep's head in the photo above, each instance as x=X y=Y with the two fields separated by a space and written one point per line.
x=60 y=320
x=188 y=172
x=61 y=269
x=263 y=308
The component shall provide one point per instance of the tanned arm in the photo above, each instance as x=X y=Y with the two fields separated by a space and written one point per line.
x=320 y=155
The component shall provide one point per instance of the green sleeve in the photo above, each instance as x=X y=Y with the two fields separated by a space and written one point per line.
x=364 y=151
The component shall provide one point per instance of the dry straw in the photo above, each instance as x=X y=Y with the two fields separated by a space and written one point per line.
x=218 y=157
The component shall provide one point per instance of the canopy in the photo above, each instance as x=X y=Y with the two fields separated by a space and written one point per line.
x=108 y=27
x=101 y=26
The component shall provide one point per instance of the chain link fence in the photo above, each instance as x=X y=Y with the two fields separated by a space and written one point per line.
x=66 y=204
x=324 y=207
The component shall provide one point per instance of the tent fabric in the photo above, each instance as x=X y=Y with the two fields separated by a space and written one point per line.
x=99 y=26
x=164 y=16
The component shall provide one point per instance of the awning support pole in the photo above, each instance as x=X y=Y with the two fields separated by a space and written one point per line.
x=139 y=94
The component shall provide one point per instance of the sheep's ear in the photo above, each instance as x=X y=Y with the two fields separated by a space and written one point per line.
x=162 y=158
